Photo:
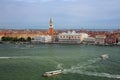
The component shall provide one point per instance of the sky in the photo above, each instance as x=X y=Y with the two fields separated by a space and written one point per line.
x=66 y=14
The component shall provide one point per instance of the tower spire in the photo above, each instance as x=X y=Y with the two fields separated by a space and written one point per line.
x=51 y=23
x=51 y=20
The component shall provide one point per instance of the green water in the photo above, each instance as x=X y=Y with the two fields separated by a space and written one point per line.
x=78 y=62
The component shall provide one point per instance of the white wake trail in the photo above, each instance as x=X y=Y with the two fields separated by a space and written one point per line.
x=107 y=75
x=80 y=69
x=15 y=57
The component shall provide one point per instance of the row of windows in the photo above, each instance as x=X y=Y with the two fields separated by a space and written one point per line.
x=75 y=37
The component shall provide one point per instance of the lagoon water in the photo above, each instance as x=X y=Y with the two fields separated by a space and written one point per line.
x=77 y=62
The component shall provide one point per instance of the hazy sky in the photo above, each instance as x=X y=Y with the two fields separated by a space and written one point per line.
x=68 y=14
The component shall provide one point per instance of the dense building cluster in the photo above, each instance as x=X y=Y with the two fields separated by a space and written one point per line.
x=99 y=37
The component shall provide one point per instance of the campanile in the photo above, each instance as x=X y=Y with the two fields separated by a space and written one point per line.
x=51 y=29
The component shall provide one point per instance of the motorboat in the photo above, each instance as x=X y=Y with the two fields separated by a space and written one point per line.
x=52 y=73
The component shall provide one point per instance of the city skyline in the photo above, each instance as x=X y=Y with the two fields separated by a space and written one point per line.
x=66 y=14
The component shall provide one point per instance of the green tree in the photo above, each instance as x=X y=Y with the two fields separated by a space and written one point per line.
x=15 y=39
x=28 y=39
x=22 y=39
x=5 y=38
x=10 y=38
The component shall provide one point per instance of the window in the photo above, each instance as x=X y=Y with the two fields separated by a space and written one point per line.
x=60 y=36
x=74 y=37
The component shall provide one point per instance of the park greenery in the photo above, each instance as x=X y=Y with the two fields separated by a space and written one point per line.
x=15 y=39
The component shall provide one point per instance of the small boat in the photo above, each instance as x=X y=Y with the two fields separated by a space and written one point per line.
x=104 y=56
x=52 y=73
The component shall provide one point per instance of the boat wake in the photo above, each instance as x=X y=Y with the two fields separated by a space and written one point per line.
x=81 y=69
x=15 y=57
x=79 y=66
x=107 y=75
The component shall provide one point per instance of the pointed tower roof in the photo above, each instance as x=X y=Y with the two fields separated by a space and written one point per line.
x=51 y=20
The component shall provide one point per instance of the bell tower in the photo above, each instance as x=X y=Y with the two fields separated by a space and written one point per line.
x=51 y=29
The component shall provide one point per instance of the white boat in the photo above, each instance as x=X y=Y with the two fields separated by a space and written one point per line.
x=52 y=73
x=104 y=56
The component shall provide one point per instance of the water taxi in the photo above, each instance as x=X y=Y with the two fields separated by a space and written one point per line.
x=52 y=73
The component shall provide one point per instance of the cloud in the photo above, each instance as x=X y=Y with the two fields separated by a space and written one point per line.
x=64 y=12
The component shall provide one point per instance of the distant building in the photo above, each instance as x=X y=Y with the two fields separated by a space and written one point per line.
x=51 y=29
x=118 y=41
x=100 y=39
x=71 y=37
x=83 y=36
x=111 y=39
x=1 y=35
x=42 y=39
x=89 y=40
x=46 y=38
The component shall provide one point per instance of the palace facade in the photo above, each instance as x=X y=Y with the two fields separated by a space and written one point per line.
x=71 y=37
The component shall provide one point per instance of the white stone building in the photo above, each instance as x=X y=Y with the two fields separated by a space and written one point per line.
x=100 y=39
x=42 y=39
x=71 y=37
x=118 y=41
x=89 y=40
